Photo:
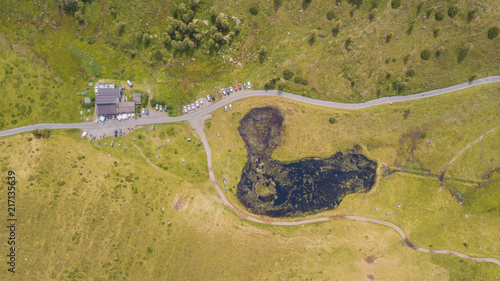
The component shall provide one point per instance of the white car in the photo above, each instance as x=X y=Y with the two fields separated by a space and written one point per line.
x=230 y=107
x=192 y=106
x=231 y=89
x=208 y=98
x=189 y=107
x=225 y=108
x=185 y=109
x=156 y=107
x=201 y=102
x=249 y=85
x=197 y=104
x=224 y=92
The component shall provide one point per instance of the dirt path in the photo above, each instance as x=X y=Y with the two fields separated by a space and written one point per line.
x=150 y=163
x=198 y=125
x=447 y=166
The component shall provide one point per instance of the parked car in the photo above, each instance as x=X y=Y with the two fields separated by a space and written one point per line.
x=116 y=133
x=228 y=90
x=236 y=88
x=185 y=109
x=139 y=114
x=156 y=107
x=192 y=106
x=120 y=132
x=84 y=134
x=161 y=108
x=244 y=86
x=231 y=90
x=239 y=86
x=230 y=107
x=165 y=108
x=147 y=111
x=201 y=101
x=213 y=97
x=223 y=92
x=143 y=111
x=189 y=107
x=249 y=85
x=208 y=98
x=197 y=104
x=225 y=108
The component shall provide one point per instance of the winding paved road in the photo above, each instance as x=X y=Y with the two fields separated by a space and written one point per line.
x=115 y=124
x=197 y=120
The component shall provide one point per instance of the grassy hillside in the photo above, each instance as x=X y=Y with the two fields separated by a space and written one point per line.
x=423 y=135
x=84 y=214
x=340 y=51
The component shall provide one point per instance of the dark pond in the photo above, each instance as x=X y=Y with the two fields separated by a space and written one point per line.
x=310 y=185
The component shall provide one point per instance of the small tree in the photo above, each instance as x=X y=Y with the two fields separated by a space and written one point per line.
x=277 y=4
x=332 y=120
x=439 y=16
x=389 y=37
x=452 y=11
x=312 y=38
x=395 y=4
x=464 y=50
x=287 y=74
x=330 y=15
x=410 y=73
x=425 y=54
x=373 y=12
x=254 y=9
x=493 y=32
x=439 y=51
x=436 y=32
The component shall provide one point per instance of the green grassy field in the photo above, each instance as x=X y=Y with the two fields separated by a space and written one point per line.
x=85 y=215
x=431 y=130
x=350 y=60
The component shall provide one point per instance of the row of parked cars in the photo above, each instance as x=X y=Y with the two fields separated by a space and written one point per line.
x=197 y=103
x=238 y=87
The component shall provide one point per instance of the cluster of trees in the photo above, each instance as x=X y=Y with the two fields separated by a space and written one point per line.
x=182 y=33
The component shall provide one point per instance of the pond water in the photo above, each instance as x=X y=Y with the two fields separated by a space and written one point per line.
x=310 y=185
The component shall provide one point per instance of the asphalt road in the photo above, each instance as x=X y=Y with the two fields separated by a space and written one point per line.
x=115 y=124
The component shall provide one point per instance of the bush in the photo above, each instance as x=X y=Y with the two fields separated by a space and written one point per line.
x=436 y=32
x=464 y=50
x=470 y=15
x=439 y=51
x=389 y=37
x=410 y=73
x=330 y=15
x=271 y=84
x=254 y=9
x=493 y=32
x=332 y=120
x=452 y=11
x=287 y=74
x=395 y=4
x=91 y=39
x=42 y=133
x=312 y=38
x=373 y=12
x=277 y=4
x=439 y=16
x=300 y=80
x=425 y=54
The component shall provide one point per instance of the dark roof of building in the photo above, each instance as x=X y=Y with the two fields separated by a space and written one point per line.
x=117 y=92
x=126 y=107
x=137 y=98
x=107 y=109
x=105 y=99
